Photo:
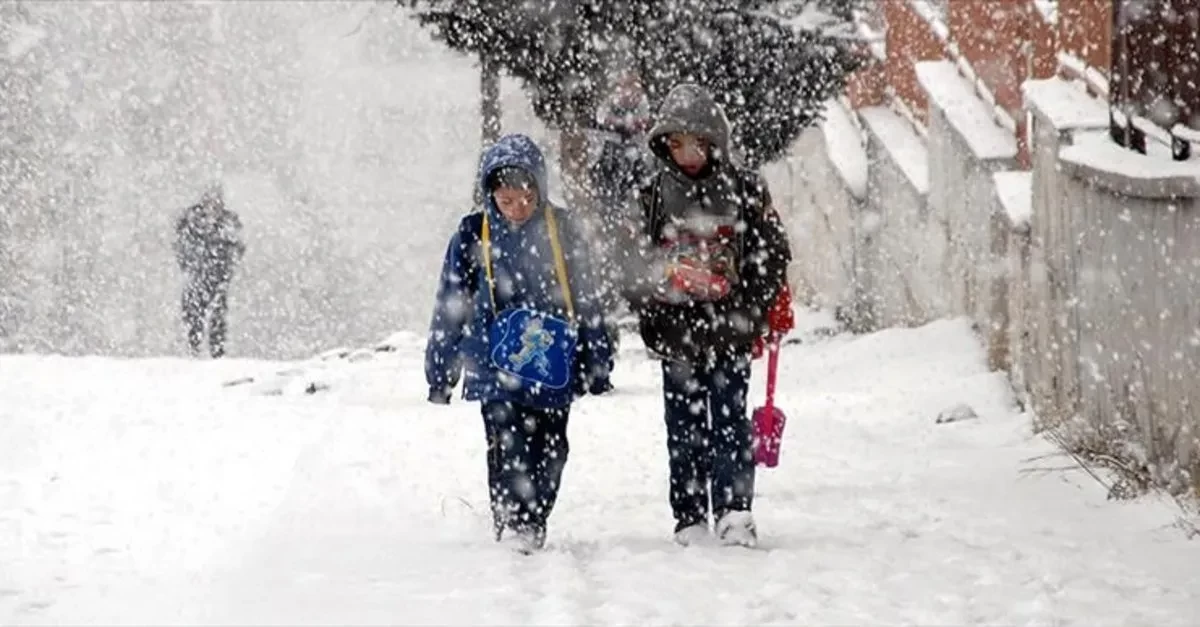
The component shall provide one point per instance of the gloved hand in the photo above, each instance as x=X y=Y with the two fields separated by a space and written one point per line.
x=761 y=343
x=780 y=318
x=439 y=395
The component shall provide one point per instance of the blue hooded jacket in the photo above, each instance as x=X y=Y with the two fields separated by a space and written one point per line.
x=524 y=274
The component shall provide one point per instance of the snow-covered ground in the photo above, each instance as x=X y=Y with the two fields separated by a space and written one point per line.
x=146 y=491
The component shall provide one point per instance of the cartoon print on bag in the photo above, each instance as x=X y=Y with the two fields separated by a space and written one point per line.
x=535 y=341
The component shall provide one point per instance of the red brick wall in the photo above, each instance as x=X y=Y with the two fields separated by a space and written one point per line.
x=867 y=87
x=909 y=40
x=991 y=36
x=1085 y=30
x=1044 y=37
x=1006 y=42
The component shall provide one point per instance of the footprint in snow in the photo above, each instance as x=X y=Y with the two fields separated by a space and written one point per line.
x=36 y=606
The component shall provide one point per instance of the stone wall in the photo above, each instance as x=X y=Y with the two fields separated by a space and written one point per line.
x=1118 y=234
x=1081 y=275
x=819 y=211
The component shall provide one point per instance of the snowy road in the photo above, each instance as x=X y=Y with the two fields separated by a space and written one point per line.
x=144 y=492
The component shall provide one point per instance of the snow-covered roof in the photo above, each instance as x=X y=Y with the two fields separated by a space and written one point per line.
x=966 y=112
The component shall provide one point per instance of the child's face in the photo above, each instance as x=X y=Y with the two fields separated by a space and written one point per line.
x=690 y=152
x=516 y=204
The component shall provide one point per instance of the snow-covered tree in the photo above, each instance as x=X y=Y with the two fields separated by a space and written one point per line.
x=18 y=39
x=771 y=63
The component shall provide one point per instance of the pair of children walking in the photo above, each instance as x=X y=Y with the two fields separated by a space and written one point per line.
x=519 y=319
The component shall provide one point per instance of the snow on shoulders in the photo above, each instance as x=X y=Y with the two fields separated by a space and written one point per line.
x=902 y=143
x=843 y=143
x=1066 y=105
x=1015 y=191
x=965 y=111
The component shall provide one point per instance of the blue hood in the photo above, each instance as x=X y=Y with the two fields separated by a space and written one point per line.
x=514 y=150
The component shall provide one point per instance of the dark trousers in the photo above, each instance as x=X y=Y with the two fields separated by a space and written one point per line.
x=709 y=439
x=527 y=451
x=206 y=300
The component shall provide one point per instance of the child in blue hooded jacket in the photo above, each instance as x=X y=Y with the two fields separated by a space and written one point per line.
x=518 y=317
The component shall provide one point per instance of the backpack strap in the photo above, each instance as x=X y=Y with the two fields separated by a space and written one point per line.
x=748 y=194
x=486 y=241
x=560 y=262
x=656 y=213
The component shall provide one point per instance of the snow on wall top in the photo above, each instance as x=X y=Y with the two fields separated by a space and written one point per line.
x=1015 y=191
x=843 y=144
x=1067 y=106
x=1096 y=151
x=1048 y=9
x=969 y=115
x=901 y=141
x=1075 y=67
x=1186 y=133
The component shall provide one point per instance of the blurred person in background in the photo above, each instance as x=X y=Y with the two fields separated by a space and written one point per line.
x=208 y=246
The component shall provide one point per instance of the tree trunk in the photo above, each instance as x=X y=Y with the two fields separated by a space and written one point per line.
x=489 y=100
x=573 y=163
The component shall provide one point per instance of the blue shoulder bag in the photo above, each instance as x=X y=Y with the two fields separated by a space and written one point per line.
x=533 y=351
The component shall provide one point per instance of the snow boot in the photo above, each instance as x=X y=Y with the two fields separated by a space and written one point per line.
x=523 y=541
x=737 y=528
x=697 y=534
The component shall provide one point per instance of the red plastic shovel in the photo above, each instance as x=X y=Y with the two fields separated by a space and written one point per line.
x=768 y=419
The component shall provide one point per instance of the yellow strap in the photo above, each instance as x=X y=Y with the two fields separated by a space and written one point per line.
x=560 y=263
x=487 y=259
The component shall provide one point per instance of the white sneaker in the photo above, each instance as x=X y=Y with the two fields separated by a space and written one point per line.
x=737 y=529
x=695 y=534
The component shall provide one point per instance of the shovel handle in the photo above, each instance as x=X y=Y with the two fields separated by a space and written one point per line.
x=772 y=369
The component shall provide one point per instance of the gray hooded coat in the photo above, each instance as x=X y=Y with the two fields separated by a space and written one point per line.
x=723 y=197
